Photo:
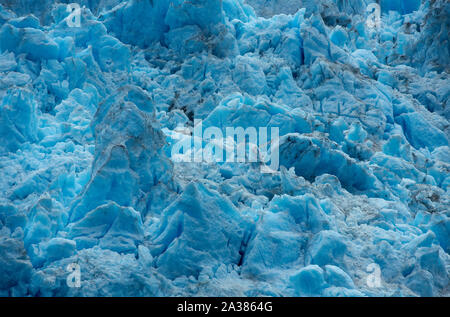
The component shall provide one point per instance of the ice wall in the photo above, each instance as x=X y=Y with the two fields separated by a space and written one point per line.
x=89 y=117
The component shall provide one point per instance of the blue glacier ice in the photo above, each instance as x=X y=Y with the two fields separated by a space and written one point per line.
x=90 y=116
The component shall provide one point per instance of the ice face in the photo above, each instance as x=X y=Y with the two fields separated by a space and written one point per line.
x=90 y=115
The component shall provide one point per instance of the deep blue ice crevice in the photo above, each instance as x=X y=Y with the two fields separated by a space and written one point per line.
x=128 y=159
x=200 y=227
x=109 y=226
x=314 y=156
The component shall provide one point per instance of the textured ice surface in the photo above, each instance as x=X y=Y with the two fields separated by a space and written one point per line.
x=88 y=117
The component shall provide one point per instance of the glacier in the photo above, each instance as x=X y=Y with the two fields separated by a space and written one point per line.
x=90 y=115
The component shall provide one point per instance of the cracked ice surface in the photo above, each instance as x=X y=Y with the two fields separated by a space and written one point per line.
x=89 y=115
